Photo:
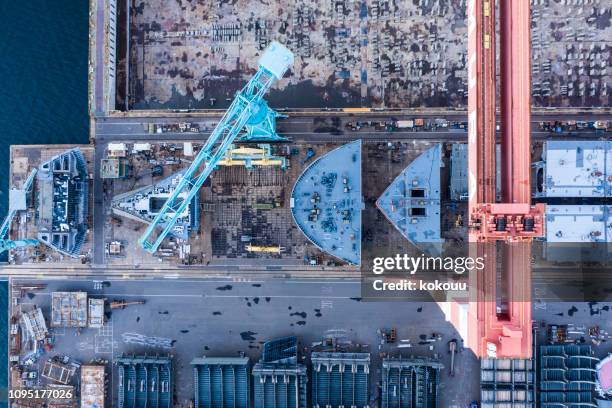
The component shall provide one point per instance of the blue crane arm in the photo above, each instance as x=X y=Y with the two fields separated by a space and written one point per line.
x=6 y=224
x=273 y=64
x=9 y=218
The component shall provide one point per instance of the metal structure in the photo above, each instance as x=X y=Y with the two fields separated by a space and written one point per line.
x=35 y=324
x=500 y=323
x=410 y=383
x=250 y=157
x=69 y=309
x=6 y=243
x=278 y=380
x=145 y=381
x=340 y=380
x=264 y=249
x=248 y=110
x=146 y=203
x=412 y=202
x=568 y=376
x=279 y=385
x=283 y=350
x=222 y=382
x=327 y=202
x=507 y=382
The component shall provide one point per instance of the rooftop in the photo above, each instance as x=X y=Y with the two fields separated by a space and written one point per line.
x=567 y=374
x=578 y=223
x=326 y=202
x=221 y=382
x=412 y=201
x=574 y=169
x=340 y=379
x=578 y=232
x=155 y=373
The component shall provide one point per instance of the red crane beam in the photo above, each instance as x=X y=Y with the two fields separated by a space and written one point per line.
x=500 y=329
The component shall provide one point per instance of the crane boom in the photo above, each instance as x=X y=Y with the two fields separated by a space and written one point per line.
x=5 y=243
x=500 y=319
x=247 y=105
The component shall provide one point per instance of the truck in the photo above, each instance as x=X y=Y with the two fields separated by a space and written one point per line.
x=404 y=124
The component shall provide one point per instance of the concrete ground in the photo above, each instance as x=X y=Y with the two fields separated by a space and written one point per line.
x=579 y=316
x=223 y=318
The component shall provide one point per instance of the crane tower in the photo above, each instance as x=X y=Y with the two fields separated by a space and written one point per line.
x=248 y=113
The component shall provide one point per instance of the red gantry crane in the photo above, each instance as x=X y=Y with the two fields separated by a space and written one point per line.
x=499 y=313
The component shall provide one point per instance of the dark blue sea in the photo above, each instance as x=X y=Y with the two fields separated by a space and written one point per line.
x=43 y=93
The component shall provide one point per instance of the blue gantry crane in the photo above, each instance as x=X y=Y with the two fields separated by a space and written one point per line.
x=14 y=206
x=248 y=113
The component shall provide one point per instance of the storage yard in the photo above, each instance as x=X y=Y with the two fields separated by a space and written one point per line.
x=375 y=53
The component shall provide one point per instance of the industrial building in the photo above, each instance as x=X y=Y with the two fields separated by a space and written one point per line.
x=578 y=233
x=507 y=383
x=326 y=202
x=567 y=375
x=412 y=202
x=574 y=169
x=340 y=380
x=93 y=388
x=410 y=383
x=143 y=204
x=145 y=382
x=279 y=381
x=222 y=382
x=69 y=309
x=63 y=202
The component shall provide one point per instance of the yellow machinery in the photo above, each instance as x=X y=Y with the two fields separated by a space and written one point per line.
x=265 y=249
x=250 y=157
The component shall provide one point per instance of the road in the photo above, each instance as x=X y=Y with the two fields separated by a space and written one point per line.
x=313 y=129
x=549 y=283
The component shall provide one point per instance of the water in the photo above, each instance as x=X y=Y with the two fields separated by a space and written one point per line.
x=43 y=92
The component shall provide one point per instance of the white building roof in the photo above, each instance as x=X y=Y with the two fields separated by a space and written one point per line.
x=577 y=168
x=578 y=223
